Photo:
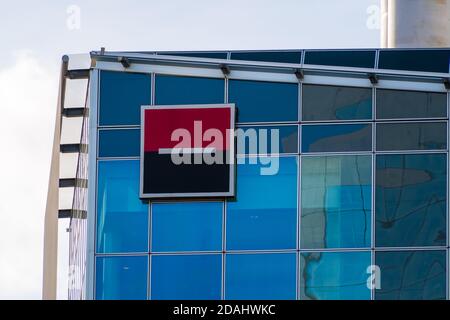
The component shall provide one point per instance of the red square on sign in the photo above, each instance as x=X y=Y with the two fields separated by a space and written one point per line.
x=187 y=151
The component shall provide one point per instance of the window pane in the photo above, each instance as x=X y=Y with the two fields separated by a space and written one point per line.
x=198 y=54
x=187 y=226
x=264 y=215
x=411 y=136
x=121 y=96
x=260 y=276
x=411 y=275
x=121 y=278
x=188 y=90
x=188 y=277
x=336 y=138
x=415 y=60
x=336 y=103
x=334 y=275
x=410 y=203
x=269 y=56
x=336 y=202
x=395 y=104
x=119 y=143
x=342 y=58
x=258 y=139
x=122 y=218
x=259 y=101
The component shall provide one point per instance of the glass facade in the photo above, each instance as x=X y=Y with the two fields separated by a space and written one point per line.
x=361 y=180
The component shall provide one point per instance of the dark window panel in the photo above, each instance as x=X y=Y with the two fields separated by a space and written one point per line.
x=412 y=275
x=258 y=101
x=121 y=96
x=398 y=104
x=411 y=136
x=334 y=275
x=415 y=60
x=269 y=56
x=249 y=139
x=336 y=103
x=119 y=143
x=341 y=58
x=336 y=138
x=208 y=55
x=410 y=200
x=188 y=90
x=336 y=202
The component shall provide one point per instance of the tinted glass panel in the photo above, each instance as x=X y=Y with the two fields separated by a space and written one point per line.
x=415 y=60
x=258 y=101
x=186 y=277
x=264 y=215
x=394 y=104
x=412 y=136
x=122 y=218
x=334 y=275
x=187 y=226
x=274 y=56
x=267 y=139
x=336 y=103
x=336 y=138
x=336 y=202
x=358 y=59
x=260 y=276
x=121 y=96
x=410 y=203
x=188 y=90
x=119 y=143
x=411 y=275
x=209 y=55
x=121 y=278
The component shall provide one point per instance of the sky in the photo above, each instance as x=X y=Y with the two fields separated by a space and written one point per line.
x=35 y=35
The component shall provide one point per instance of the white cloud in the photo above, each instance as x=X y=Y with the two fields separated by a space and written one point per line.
x=28 y=93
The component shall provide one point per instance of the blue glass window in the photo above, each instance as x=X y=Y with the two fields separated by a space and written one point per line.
x=411 y=275
x=258 y=101
x=415 y=60
x=411 y=136
x=334 y=275
x=336 y=103
x=122 y=218
x=268 y=56
x=119 y=143
x=260 y=276
x=342 y=58
x=264 y=215
x=249 y=139
x=410 y=200
x=184 y=226
x=189 y=277
x=336 y=138
x=336 y=202
x=121 y=278
x=121 y=96
x=196 y=54
x=188 y=90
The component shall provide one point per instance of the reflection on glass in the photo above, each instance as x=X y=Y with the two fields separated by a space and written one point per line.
x=411 y=136
x=396 y=104
x=411 y=275
x=188 y=90
x=269 y=276
x=334 y=275
x=119 y=143
x=192 y=277
x=187 y=226
x=259 y=101
x=336 y=202
x=121 y=96
x=336 y=103
x=250 y=138
x=122 y=218
x=264 y=215
x=336 y=138
x=121 y=278
x=410 y=201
